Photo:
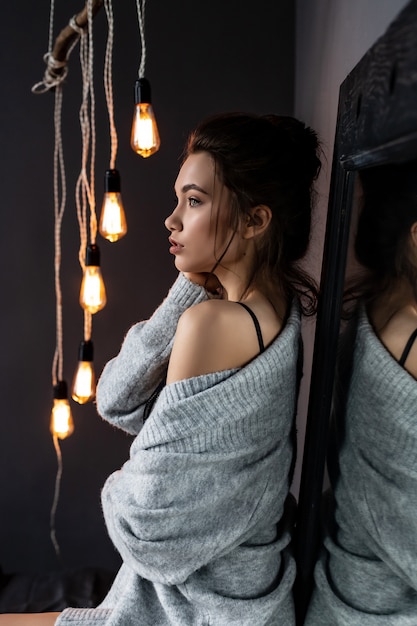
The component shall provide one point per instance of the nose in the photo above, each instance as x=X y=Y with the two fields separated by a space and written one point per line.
x=173 y=221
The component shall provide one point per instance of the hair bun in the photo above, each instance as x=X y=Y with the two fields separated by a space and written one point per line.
x=301 y=145
x=388 y=211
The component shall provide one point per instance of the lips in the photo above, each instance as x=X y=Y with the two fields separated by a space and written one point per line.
x=175 y=246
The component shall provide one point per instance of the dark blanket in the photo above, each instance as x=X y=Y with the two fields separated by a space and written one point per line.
x=37 y=593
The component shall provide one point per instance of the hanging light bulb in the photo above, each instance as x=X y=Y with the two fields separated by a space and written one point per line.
x=112 y=221
x=145 y=137
x=93 y=293
x=84 y=385
x=62 y=424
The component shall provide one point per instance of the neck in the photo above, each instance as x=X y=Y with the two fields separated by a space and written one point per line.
x=392 y=300
x=234 y=287
x=234 y=280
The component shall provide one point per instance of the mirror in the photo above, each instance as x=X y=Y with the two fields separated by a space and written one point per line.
x=376 y=141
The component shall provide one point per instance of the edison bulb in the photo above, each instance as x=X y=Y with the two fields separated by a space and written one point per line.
x=83 y=389
x=61 y=424
x=113 y=221
x=84 y=385
x=92 y=293
x=145 y=136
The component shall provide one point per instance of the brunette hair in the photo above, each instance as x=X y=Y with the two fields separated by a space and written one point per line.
x=268 y=160
x=389 y=209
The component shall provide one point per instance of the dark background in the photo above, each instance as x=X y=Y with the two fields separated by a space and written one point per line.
x=202 y=58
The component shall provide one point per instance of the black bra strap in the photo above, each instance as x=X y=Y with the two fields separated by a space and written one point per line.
x=257 y=326
x=408 y=347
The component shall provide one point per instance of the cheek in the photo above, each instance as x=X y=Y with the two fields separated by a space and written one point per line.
x=223 y=225
x=202 y=227
x=224 y=236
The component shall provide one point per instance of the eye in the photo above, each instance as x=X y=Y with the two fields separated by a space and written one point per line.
x=193 y=202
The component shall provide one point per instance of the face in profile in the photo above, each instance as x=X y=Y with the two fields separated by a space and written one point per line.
x=199 y=224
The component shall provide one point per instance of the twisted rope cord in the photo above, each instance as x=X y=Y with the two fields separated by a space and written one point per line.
x=141 y=19
x=92 y=199
x=51 y=25
x=84 y=191
x=56 y=496
x=57 y=363
x=60 y=195
x=108 y=82
x=78 y=29
x=56 y=71
x=85 y=185
x=88 y=323
x=59 y=208
x=82 y=181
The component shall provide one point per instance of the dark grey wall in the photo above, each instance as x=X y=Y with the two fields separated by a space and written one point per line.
x=202 y=58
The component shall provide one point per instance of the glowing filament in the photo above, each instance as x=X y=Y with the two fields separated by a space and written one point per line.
x=113 y=220
x=62 y=424
x=93 y=292
x=145 y=137
x=84 y=387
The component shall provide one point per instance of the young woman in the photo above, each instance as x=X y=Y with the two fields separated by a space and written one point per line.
x=208 y=385
x=367 y=571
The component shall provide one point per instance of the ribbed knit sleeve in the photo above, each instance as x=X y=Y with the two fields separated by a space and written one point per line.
x=129 y=379
x=84 y=617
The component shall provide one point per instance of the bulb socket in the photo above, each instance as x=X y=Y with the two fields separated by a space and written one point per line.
x=86 y=351
x=142 y=91
x=92 y=256
x=60 y=390
x=112 y=181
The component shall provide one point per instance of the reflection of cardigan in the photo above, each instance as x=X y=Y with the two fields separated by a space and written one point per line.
x=368 y=570
x=194 y=510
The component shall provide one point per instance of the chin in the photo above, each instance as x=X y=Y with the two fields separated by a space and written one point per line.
x=180 y=266
x=191 y=269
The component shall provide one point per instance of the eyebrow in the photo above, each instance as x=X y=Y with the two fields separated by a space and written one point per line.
x=186 y=188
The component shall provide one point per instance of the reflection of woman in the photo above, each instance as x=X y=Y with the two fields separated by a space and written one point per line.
x=367 y=573
x=195 y=511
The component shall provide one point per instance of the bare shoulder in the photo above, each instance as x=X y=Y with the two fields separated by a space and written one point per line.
x=396 y=334
x=212 y=336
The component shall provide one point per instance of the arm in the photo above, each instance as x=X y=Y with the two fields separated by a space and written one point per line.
x=130 y=378
x=168 y=515
x=31 y=619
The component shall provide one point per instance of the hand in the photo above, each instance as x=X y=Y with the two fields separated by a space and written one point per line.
x=209 y=281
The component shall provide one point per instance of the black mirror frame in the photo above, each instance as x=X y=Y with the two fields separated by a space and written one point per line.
x=376 y=124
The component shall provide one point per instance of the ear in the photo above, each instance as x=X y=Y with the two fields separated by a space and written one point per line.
x=257 y=221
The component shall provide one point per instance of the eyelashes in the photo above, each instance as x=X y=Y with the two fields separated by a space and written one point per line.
x=193 y=202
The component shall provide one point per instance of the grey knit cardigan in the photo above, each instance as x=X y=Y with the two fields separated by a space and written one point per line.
x=367 y=573
x=197 y=512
